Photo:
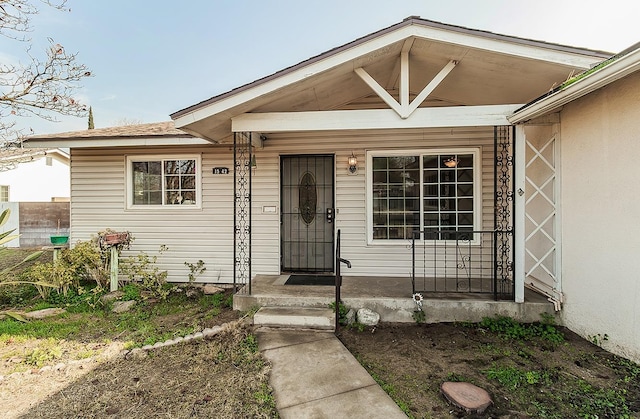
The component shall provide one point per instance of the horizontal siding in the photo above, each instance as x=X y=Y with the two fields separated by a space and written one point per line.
x=98 y=201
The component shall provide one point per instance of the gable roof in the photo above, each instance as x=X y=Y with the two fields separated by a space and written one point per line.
x=157 y=133
x=327 y=81
x=608 y=71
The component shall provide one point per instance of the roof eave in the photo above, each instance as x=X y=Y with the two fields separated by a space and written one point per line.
x=101 y=142
x=302 y=70
x=618 y=69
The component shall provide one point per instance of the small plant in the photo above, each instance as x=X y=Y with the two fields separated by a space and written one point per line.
x=513 y=378
x=418 y=314
x=598 y=339
x=342 y=312
x=142 y=269
x=509 y=328
x=195 y=270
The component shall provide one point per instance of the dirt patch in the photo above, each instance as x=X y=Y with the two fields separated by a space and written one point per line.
x=526 y=378
x=219 y=377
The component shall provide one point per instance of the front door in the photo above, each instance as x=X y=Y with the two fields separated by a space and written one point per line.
x=307 y=213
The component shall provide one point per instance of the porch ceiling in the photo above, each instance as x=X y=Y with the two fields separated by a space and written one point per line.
x=483 y=76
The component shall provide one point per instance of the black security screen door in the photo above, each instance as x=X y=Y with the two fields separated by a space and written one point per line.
x=307 y=213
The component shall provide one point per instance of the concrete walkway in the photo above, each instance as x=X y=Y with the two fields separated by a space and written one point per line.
x=314 y=376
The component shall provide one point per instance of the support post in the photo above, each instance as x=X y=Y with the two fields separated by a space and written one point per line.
x=114 y=269
x=519 y=212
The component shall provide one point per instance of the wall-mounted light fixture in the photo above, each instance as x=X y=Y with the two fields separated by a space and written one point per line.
x=353 y=164
x=451 y=161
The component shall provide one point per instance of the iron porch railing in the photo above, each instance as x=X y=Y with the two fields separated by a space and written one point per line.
x=447 y=261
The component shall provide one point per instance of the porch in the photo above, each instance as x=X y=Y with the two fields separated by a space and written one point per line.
x=391 y=298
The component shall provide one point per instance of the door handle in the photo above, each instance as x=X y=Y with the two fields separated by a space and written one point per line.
x=329 y=215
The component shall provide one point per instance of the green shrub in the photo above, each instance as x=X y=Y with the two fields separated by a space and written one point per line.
x=142 y=270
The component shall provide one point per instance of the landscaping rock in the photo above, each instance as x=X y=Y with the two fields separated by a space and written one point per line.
x=137 y=353
x=44 y=313
x=368 y=317
x=112 y=296
x=209 y=332
x=351 y=316
x=212 y=289
x=466 y=396
x=193 y=292
x=123 y=306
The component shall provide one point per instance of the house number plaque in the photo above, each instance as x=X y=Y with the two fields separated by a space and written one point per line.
x=220 y=170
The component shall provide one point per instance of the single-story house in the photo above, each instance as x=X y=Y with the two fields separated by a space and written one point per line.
x=414 y=142
x=28 y=175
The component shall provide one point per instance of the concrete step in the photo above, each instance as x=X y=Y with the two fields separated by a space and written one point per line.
x=295 y=318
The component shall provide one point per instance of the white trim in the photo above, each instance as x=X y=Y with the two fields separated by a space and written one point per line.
x=380 y=91
x=500 y=46
x=405 y=108
x=430 y=87
x=129 y=159
x=451 y=116
x=114 y=142
x=519 y=208
x=614 y=71
x=477 y=187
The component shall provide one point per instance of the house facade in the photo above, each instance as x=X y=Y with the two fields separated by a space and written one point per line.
x=404 y=141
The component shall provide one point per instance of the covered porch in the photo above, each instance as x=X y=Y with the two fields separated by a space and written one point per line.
x=391 y=298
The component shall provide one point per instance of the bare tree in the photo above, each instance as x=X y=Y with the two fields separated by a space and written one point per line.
x=43 y=86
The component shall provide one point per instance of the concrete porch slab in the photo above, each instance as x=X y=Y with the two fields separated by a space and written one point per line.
x=391 y=298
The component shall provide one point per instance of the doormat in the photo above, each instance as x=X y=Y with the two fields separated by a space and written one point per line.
x=311 y=280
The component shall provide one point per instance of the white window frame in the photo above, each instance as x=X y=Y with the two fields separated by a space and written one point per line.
x=477 y=188
x=162 y=158
x=2 y=189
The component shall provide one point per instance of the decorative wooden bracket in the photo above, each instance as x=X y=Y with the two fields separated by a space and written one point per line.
x=405 y=108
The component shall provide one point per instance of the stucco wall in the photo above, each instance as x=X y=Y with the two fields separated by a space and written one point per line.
x=600 y=149
x=36 y=181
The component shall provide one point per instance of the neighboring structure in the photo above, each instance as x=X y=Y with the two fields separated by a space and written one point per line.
x=34 y=175
x=406 y=133
x=591 y=128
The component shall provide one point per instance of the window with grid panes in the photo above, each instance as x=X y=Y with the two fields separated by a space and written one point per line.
x=422 y=191
x=156 y=181
x=4 y=193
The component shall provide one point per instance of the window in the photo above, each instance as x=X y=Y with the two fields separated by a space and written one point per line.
x=4 y=193
x=423 y=191
x=163 y=181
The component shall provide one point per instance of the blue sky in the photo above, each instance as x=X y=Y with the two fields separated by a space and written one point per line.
x=152 y=58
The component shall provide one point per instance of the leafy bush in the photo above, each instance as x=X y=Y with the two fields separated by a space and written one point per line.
x=142 y=269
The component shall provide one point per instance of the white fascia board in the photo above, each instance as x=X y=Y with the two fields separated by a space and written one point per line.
x=111 y=142
x=616 y=70
x=454 y=116
x=505 y=47
x=331 y=61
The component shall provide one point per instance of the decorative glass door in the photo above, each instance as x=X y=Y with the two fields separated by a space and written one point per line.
x=307 y=232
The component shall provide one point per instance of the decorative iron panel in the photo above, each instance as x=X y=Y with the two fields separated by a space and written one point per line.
x=504 y=210
x=242 y=154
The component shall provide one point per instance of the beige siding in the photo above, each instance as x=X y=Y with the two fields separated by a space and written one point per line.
x=98 y=201
x=367 y=259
